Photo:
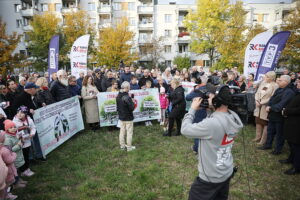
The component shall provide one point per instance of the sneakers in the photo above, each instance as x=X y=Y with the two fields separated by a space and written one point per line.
x=10 y=196
x=123 y=148
x=130 y=148
x=27 y=173
x=161 y=123
x=148 y=123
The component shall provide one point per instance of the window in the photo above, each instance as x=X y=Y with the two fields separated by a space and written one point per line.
x=17 y=7
x=183 y=48
x=58 y=7
x=91 y=7
x=44 y=7
x=277 y=17
x=23 y=52
x=168 y=48
x=117 y=6
x=206 y=63
x=265 y=17
x=25 y=21
x=168 y=33
x=255 y=18
x=168 y=18
x=131 y=6
x=168 y=63
x=19 y=23
x=131 y=21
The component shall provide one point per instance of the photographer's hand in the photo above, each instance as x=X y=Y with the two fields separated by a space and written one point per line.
x=196 y=103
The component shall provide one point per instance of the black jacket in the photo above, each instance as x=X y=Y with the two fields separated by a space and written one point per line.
x=11 y=98
x=178 y=103
x=44 y=96
x=98 y=82
x=106 y=83
x=143 y=81
x=292 y=120
x=59 y=91
x=24 y=99
x=125 y=106
x=278 y=101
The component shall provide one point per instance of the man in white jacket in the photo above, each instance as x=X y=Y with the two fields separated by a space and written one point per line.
x=216 y=134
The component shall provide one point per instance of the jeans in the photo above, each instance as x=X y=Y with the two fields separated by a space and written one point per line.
x=275 y=129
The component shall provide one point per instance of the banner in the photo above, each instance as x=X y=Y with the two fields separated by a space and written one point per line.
x=188 y=87
x=53 y=55
x=254 y=51
x=57 y=122
x=78 y=55
x=271 y=53
x=146 y=106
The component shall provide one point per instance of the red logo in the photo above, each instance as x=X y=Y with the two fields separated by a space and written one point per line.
x=226 y=140
x=135 y=104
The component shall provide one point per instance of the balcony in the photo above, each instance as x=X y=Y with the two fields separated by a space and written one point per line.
x=180 y=24
x=104 y=25
x=106 y=9
x=27 y=12
x=146 y=26
x=184 y=39
x=145 y=40
x=68 y=10
x=27 y=28
x=145 y=9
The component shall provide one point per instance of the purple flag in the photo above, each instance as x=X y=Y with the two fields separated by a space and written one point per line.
x=271 y=53
x=53 y=55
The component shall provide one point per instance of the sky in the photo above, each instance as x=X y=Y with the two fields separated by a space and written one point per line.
x=232 y=1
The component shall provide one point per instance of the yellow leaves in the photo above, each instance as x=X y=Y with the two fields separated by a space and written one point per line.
x=114 y=45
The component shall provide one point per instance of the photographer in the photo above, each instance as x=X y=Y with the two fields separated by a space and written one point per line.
x=216 y=134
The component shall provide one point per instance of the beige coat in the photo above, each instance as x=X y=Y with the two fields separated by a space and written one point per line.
x=90 y=103
x=263 y=95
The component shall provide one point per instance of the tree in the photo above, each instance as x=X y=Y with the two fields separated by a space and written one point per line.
x=206 y=25
x=154 y=50
x=76 y=24
x=114 y=45
x=291 y=53
x=44 y=27
x=182 y=62
x=8 y=44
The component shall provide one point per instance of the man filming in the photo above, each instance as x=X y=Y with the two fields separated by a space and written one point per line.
x=216 y=134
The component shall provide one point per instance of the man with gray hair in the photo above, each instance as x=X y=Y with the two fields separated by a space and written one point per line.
x=22 y=82
x=59 y=88
x=125 y=107
x=276 y=105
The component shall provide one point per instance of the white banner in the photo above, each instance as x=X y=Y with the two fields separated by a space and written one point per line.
x=78 y=55
x=254 y=51
x=57 y=122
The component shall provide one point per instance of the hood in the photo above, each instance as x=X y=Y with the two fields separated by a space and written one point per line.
x=121 y=94
x=230 y=121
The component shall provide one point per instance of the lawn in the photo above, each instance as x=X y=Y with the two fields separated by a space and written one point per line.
x=91 y=166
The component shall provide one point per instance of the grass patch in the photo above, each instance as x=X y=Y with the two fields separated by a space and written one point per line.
x=91 y=166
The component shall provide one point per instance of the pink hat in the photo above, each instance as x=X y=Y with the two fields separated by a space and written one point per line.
x=8 y=124
x=162 y=90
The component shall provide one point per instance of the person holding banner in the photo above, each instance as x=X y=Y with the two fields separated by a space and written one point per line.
x=59 y=89
x=125 y=107
x=89 y=95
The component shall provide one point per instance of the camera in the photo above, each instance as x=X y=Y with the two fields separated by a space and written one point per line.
x=239 y=103
x=204 y=94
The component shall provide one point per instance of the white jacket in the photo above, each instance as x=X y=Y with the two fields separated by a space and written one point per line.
x=25 y=134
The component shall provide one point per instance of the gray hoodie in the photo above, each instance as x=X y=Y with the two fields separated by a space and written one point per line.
x=216 y=134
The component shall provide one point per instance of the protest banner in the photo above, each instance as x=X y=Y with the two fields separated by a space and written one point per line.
x=57 y=122
x=188 y=87
x=146 y=106
x=53 y=55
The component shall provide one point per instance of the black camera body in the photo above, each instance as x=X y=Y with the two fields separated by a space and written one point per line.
x=204 y=94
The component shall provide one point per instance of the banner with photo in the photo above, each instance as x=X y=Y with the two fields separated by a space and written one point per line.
x=57 y=122
x=78 y=55
x=188 y=87
x=146 y=106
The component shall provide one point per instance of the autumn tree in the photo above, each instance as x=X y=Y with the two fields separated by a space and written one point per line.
x=291 y=53
x=44 y=27
x=76 y=24
x=8 y=44
x=154 y=50
x=115 y=43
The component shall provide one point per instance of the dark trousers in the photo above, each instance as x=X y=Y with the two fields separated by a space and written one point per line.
x=294 y=156
x=26 y=152
x=171 y=125
x=196 y=145
x=37 y=147
x=203 y=190
x=275 y=129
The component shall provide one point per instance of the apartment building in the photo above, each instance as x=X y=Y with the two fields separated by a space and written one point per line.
x=150 y=20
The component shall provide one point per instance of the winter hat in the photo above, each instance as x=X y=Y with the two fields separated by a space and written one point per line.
x=162 y=90
x=23 y=109
x=8 y=124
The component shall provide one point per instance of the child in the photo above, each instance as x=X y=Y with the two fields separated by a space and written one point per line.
x=15 y=144
x=148 y=85
x=26 y=131
x=8 y=158
x=163 y=105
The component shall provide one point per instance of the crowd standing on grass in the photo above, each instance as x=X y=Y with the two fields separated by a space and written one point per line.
x=275 y=113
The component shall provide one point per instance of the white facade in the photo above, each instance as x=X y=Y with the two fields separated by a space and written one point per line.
x=148 y=19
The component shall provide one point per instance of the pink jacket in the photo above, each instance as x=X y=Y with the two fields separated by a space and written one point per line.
x=9 y=158
x=164 y=101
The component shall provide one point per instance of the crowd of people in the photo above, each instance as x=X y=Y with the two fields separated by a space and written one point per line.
x=277 y=109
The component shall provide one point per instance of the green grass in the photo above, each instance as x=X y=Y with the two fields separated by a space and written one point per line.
x=91 y=166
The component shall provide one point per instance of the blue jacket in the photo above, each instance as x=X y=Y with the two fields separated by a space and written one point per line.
x=134 y=86
x=125 y=77
x=200 y=114
x=75 y=90
x=79 y=82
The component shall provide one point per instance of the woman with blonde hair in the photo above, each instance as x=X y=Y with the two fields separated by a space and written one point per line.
x=264 y=93
x=43 y=96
